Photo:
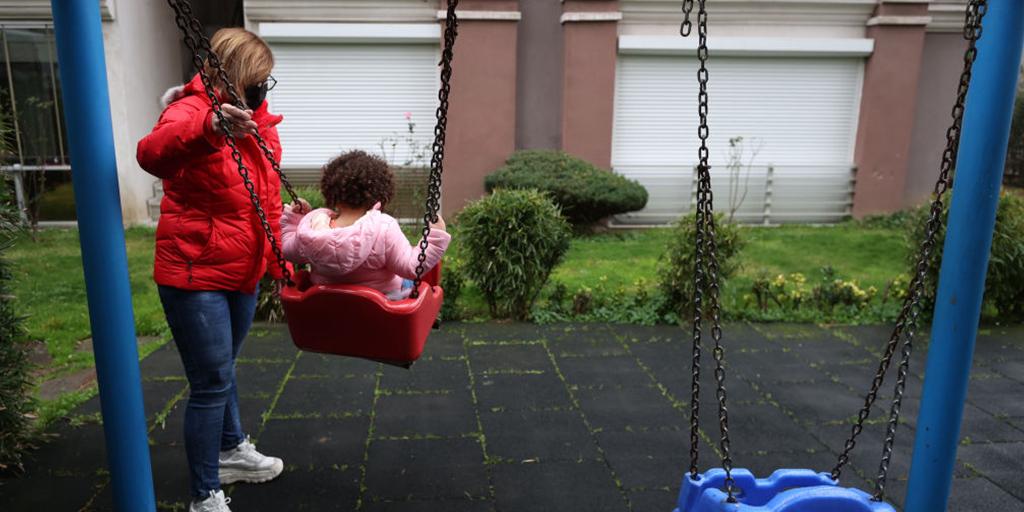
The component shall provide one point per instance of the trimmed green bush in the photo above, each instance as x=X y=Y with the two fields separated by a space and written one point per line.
x=16 y=401
x=1004 y=284
x=509 y=243
x=585 y=193
x=677 y=263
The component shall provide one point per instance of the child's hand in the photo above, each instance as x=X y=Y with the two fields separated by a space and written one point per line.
x=439 y=224
x=302 y=207
x=241 y=120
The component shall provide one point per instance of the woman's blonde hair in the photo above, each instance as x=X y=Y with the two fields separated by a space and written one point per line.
x=245 y=57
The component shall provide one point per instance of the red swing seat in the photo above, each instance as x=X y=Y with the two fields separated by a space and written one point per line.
x=358 y=321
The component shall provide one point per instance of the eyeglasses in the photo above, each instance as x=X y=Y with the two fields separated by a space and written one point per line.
x=270 y=82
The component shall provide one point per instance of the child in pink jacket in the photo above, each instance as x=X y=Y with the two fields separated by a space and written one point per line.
x=353 y=242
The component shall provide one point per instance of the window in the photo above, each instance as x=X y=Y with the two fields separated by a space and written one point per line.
x=37 y=160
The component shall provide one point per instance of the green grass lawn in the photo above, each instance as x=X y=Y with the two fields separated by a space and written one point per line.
x=50 y=291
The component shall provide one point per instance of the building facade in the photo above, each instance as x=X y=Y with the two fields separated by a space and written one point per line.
x=820 y=109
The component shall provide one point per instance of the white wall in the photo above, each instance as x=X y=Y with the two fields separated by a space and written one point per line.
x=142 y=52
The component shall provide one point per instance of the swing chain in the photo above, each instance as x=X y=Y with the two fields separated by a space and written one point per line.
x=433 y=202
x=204 y=43
x=687 y=26
x=706 y=268
x=907 y=322
x=181 y=12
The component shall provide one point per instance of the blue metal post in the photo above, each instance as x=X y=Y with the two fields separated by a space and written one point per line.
x=972 y=215
x=83 y=75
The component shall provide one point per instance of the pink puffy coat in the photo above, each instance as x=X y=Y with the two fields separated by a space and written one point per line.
x=372 y=252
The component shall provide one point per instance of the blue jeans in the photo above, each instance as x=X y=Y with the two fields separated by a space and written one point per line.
x=208 y=328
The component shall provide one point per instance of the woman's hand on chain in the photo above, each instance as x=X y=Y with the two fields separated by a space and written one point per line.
x=240 y=120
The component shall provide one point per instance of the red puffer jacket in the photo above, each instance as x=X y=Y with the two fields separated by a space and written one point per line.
x=209 y=236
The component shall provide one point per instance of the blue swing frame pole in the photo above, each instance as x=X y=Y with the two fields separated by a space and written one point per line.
x=979 y=172
x=79 y=35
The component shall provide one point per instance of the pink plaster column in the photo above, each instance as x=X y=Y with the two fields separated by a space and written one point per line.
x=590 y=42
x=888 y=104
x=482 y=114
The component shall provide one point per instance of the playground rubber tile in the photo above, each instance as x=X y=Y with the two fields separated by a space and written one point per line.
x=170 y=474
x=654 y=500
x=644 y=444
x=772 y=366
x=72 y=451
x=172 y=429
x=333 y=366
x=251 y=409
x=556 y=486
x=758 y=427
x=434 y=415
x=980 y=494
x=868 y=452
x=826 y=349
x=543 y=435
x=623 y=409
x=981 y=427
x=275 y=346
x=605 y=345
x=323 y=396
x=36 y=491
x=508 y=358
x=433 y=374
x=518 y=392
x=259 y=378
x=430 y=506
x=156 y=395
x=650 y=472
x=443 y=343
x=492 y=332
x=1011 y=369
x=997 y=395
x=426 y=469
x=614 y=371
x=163 y=362
x=300 y=490
x=1000 y=463
x=870 y=337
x=316 y=443
x=814 y=402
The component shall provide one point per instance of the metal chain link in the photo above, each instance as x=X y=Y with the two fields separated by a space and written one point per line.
x=185 y=22
x=706 y=265
x=907 y=322
x=433 y=202
x=204 y=43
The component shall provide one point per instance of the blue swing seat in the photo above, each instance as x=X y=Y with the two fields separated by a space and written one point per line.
x=786 y=490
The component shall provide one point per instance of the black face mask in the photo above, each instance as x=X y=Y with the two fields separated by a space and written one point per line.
x=254 y=95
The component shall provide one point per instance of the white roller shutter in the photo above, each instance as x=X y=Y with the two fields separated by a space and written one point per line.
x=801 y=112
x=341 y=96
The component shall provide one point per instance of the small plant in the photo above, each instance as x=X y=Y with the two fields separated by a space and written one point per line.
x=1004 y=284
x=453 y=279
x=586 y=193
x=509 y=243
x=739 y=162
x=677 y=263
x=832 y=292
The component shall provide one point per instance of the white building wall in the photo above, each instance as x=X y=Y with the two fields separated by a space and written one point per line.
x=143 y=60
x=142 y=54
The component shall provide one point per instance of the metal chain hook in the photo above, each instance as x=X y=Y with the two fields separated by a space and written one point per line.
x=706 y=268
x=907 y=321
x=433 y=200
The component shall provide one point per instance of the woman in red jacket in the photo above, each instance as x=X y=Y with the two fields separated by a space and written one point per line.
x=211 y=252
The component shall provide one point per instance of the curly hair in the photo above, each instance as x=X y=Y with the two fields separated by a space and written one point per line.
x=358 y=180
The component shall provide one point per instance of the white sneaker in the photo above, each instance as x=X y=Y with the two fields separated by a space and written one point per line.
x=245 y=464
x=215 y=503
